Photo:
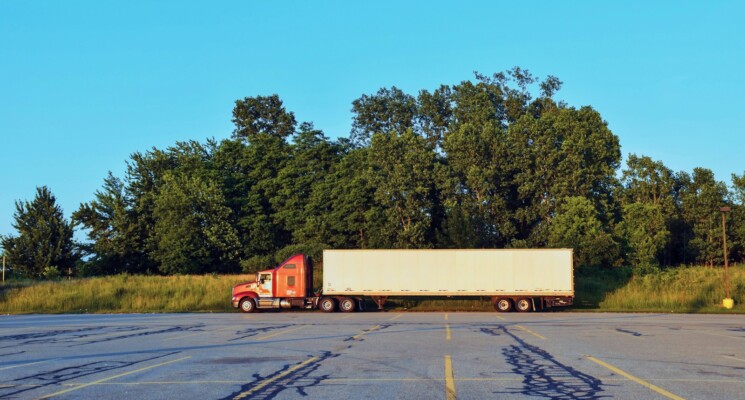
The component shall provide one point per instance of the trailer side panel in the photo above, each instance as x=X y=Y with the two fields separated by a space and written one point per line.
x=514 y=272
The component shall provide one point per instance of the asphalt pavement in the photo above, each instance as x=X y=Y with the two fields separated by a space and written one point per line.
x=371 y=355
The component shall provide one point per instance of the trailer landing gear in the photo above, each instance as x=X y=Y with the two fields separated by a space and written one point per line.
x=380 y=301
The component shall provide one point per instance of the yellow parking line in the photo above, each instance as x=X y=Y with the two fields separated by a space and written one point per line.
x=396 y=317
x=266 y=382
x=374 y=328
x=500 y=318
x=734 y=358
x=449 y=379
x=446 y=317
x=529 y=331
x=635 y=379
x=447 y=331
x=348 y=316
x=112 y=377
x=280 y=333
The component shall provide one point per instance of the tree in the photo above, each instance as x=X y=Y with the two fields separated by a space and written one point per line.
x=267 y=115
x=476 y=158
x=311 y=158
x=401 y=169
x=644 y=231
x=261 y=162
x=578 y=226
x=112 y=227
x=435 y=114
x=389 y=110
x=649 y=182
x=351 y=202
x=561 y=154
x=736 y=225
x=44 y=245
x=248 y=166
x=702 y=197
x=192 y=231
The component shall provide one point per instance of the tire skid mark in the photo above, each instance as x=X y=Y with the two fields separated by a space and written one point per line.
x=297 y=376
x=629 y=332
x=49 y=337
x=543 y=375
x=173 y=329
x=90 y=335
x=360 y=336
x=12 y=354
x=250 y=332
x=63 y=375
x=293 y=377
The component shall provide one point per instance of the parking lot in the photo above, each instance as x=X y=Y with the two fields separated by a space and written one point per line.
x=279 y=355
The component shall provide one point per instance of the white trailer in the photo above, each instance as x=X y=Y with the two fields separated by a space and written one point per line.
x=521 y=279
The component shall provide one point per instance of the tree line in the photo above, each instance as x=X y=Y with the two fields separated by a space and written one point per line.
x=492 y=162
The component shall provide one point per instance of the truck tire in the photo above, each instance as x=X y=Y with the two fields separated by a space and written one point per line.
x=328 y=304
x=248 y=305
x=503 y=305
x=524 y=305
x=347 y=304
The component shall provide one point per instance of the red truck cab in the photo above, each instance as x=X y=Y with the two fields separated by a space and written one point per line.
x=290 y=284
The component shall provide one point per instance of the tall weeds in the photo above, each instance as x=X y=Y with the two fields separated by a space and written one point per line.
x=685 y=289
x=122 y=294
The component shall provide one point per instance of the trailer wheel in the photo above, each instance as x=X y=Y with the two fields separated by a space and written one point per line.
x=328 y=304
x=248 y=305
x=347 y=304
x=503 y=305
x=523 y=305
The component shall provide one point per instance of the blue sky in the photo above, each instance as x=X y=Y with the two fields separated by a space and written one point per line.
x=83 y=84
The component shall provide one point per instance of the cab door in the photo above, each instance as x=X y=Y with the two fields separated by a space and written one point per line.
x=265 y=285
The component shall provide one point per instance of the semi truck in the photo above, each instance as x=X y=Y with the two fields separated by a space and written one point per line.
x=513 y=279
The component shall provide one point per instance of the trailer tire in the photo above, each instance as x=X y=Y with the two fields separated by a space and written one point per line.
x=328 y=304
x=523 y=305
x=247 y=305
x=503 y=305
x=347 y=304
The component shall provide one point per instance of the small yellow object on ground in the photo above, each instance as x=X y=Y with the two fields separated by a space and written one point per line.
x=728 y=303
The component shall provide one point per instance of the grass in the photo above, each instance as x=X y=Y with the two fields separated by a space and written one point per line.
x=685 y=289
x=121 y=294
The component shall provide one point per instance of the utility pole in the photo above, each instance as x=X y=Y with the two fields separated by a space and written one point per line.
x=727 y=302
x=3 y=270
